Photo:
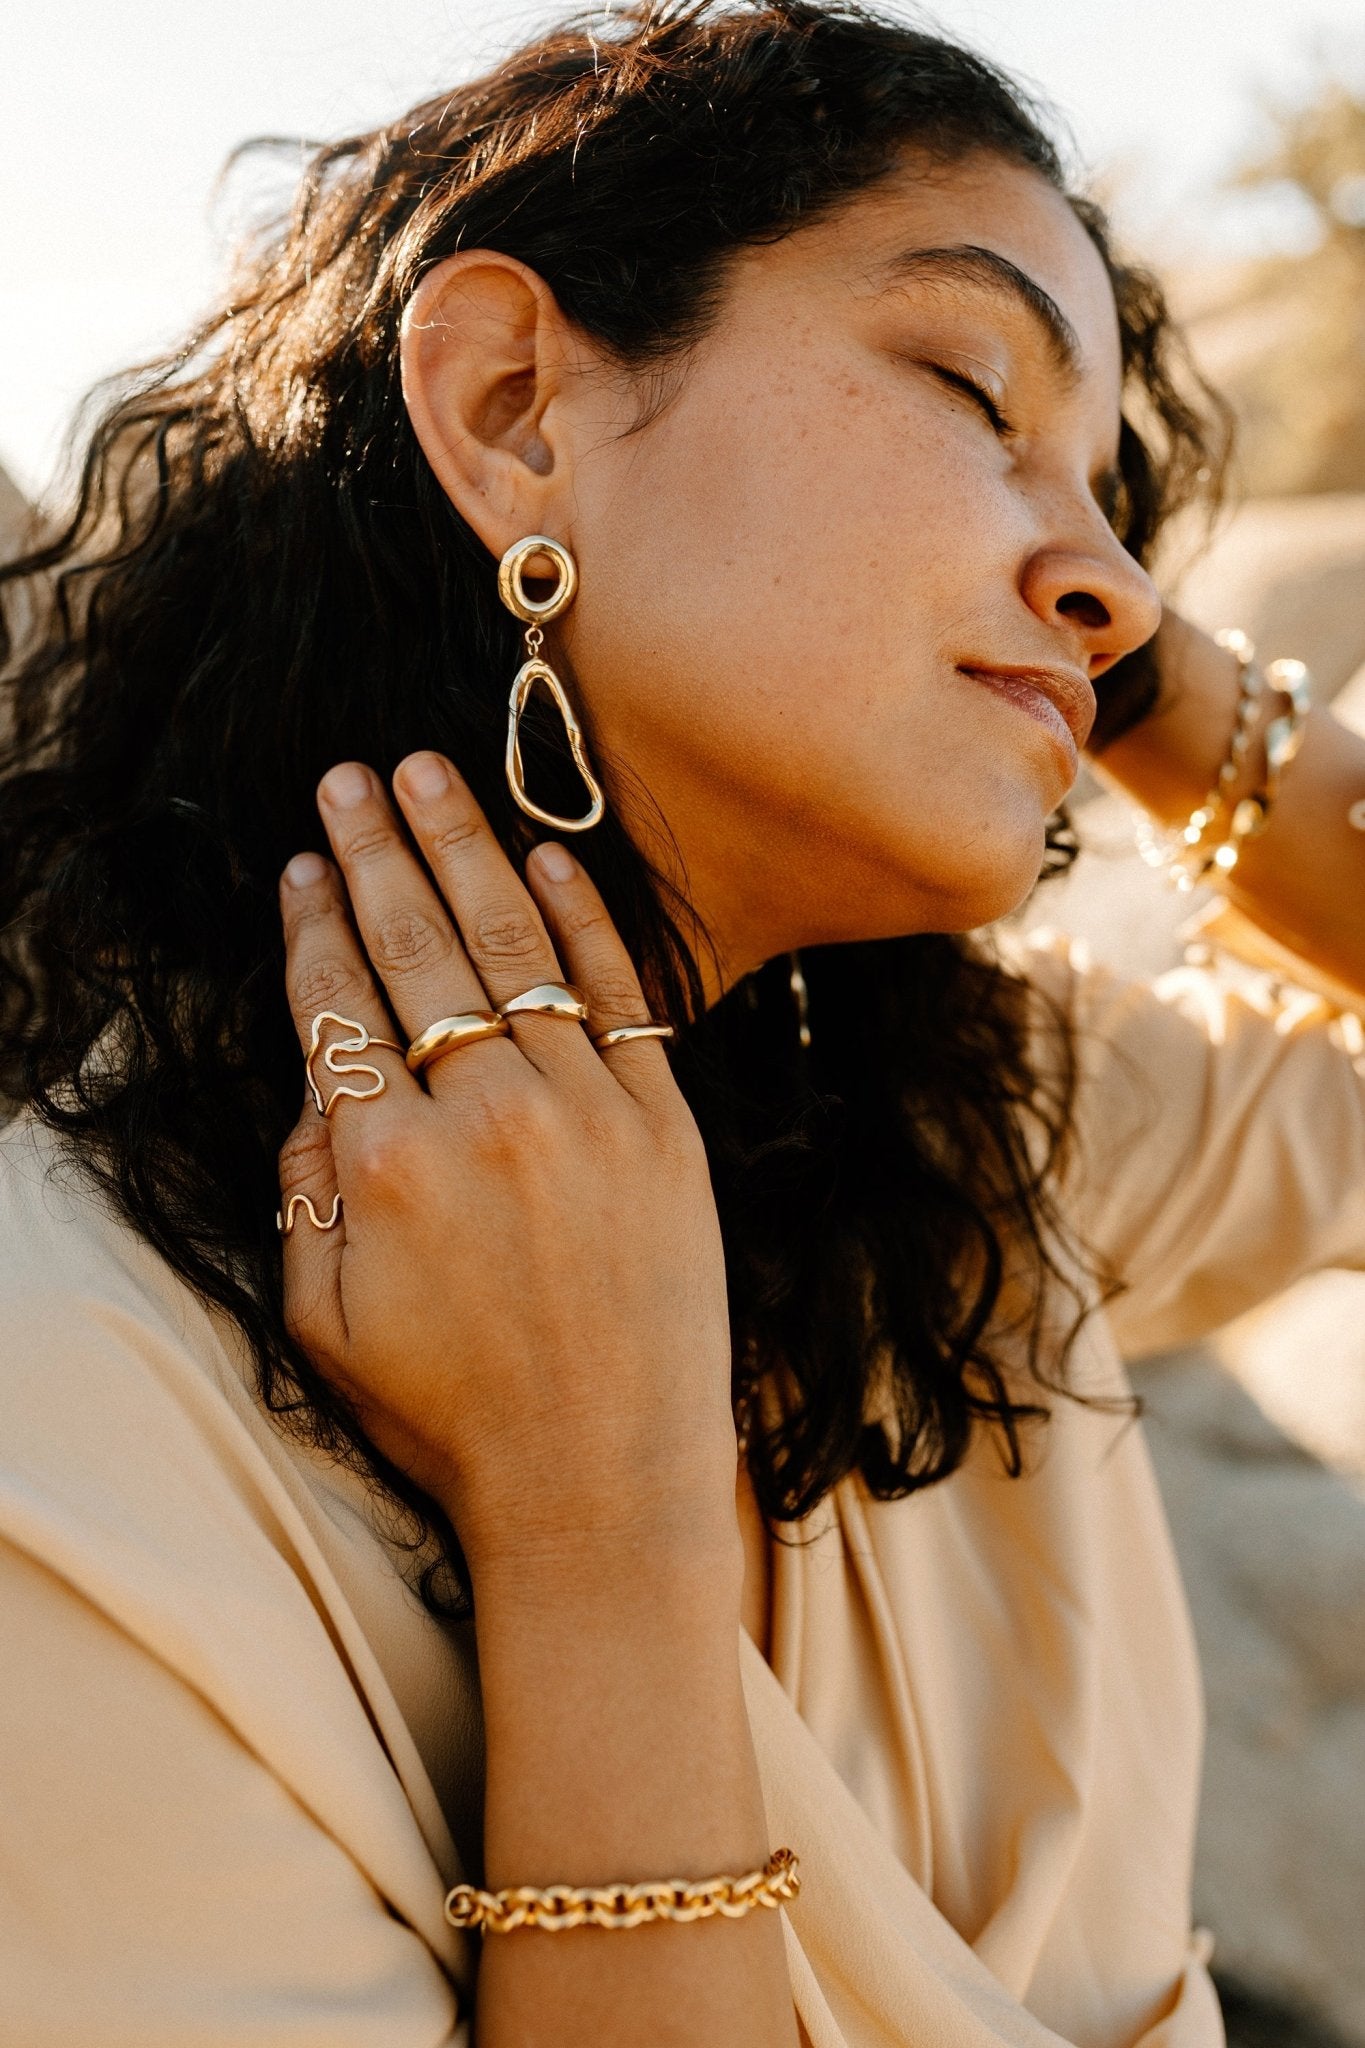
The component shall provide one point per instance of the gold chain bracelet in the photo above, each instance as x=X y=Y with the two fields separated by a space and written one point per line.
x=624 y=1905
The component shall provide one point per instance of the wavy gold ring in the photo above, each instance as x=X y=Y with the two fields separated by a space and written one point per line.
x=284 y=1222
x=622 y=1033
x=449 y=1032
x=547 y=999
x=359 y=1040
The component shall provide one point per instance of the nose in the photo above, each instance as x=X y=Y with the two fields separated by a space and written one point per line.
x=1092 y=587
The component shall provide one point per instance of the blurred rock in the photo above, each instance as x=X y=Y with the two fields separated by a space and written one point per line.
x=1291 y=572
x=1272 y=1545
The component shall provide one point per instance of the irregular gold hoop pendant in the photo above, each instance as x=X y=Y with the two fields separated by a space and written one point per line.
x=284 y=1221
x=547 y=999
x=359 y=1040
x=537 y=612
x=448 y=1033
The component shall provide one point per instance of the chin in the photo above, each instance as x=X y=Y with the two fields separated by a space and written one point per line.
x=993 y=888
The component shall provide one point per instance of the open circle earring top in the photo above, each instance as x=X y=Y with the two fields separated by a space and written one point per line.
x=512 y=587
x=536 y=611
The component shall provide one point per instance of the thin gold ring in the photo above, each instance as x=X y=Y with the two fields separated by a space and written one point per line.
x=623 y=1032
x=359 y=1040
x=547 y=999
x=449 y=1032
x=284 y=1222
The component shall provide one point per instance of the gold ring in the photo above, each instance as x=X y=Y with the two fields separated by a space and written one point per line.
x=624 y=1032
x=285 y=1223
x=358 y=1041
x=547 y=999
x=448 y=1032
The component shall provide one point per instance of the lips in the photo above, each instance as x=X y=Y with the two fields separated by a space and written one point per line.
x=1066 y=689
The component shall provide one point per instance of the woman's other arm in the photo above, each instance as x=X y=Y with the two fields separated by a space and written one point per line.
x=1302 y=879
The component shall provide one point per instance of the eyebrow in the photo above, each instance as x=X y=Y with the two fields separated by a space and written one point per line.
x=969 y=263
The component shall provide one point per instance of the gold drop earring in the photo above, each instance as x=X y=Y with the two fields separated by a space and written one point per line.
x=537 y=613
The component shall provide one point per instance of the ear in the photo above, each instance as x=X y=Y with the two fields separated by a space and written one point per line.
x=485 y=355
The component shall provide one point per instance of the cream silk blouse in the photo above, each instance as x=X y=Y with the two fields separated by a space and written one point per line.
x=240 y=1764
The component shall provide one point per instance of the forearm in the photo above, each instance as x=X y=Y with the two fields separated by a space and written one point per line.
x=1303 y=878
x=618 y=1748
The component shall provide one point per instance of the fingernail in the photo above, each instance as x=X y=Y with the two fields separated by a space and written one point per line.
x=558 y=863
x=305 y=869
x=424 y=776
x=346 y=785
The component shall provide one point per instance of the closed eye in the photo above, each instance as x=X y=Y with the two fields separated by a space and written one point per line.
x=957 y=380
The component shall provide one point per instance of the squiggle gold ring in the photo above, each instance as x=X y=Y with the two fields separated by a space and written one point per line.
x=284 y=1222
x=359 y=1040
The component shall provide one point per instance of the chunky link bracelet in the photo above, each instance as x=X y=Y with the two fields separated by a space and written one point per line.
x=624 y=1905
x=1182 y=853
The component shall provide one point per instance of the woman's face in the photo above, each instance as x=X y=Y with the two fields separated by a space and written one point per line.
x=815 y=583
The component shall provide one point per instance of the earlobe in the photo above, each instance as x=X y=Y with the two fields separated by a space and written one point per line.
x=482 y=361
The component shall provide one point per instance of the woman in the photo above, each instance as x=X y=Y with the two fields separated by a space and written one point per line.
x=763 y=348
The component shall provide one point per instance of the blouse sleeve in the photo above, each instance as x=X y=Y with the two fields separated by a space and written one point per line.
x=158 y=1883
x=1220 y=1140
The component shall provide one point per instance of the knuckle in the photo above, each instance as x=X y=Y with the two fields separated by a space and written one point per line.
x=585 y=920
x=617 y=998
x=512 y=1123
x=404 y=941
x=319 y=984
x=366 y=840
x=451 y=838
x=384 y=1161
x=502 y=933
x=304 y=1152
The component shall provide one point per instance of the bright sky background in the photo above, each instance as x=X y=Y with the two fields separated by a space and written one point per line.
x=116 y=115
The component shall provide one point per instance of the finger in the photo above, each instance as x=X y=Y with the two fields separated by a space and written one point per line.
x=333 y=997
x=313 y=1231
x=499 y=920
x=599 y=964
x=407 y=932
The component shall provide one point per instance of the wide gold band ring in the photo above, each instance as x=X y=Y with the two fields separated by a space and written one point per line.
x=449 y=1032
x=622 y=1033
x=547 y=999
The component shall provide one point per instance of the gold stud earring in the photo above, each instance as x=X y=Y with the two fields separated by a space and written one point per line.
x=536 y=613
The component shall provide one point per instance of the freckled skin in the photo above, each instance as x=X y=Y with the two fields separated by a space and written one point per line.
x=782 y=570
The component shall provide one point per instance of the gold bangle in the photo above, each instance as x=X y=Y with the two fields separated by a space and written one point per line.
x=623 y=1905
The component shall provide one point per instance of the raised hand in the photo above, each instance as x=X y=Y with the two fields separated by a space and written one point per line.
x=524 y=1291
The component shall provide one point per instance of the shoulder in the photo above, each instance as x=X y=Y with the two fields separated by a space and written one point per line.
x=85 y=1304
x=131 y=1440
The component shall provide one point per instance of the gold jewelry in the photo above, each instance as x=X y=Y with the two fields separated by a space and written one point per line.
x=547 y=999
x=622 y=1033
x=1183 y=853
x=1283 y=738
x=449 y=1032
x=1178 y=851
x=624 y=1905
x=285 y=1223
x=512 y=591
x=797 y=983
x=359 y=1041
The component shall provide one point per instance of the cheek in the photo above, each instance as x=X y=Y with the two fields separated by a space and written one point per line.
x=818 y=525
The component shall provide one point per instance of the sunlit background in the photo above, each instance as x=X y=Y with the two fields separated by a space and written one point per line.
x=1228 y=137
x=115 y=120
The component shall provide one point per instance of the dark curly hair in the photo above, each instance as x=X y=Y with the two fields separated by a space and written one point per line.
x=261 y=575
